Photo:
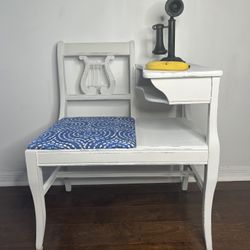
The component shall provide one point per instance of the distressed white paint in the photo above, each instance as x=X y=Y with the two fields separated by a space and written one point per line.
x=28 y=49
x=193 y=90
x=36 y=159
x=168 y=141
x=35 y=177
x=212 y=167
x=192 y=87
x=226 y=173
x=195 y=71
x=92 y=81
x=32 y=110
x=50 y=181
x=97 y=54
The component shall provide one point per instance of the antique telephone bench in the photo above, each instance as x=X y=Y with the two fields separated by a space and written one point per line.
x=98 y=126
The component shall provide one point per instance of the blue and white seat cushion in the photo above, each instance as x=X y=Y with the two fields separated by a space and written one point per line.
x=88 y=133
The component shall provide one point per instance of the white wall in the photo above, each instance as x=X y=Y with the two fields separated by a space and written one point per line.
x=214 y=33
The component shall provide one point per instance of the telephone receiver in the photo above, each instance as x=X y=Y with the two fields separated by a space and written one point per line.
x=159 y=46
x=173 y=8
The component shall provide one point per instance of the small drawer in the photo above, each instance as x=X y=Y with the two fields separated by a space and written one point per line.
x=185 y=90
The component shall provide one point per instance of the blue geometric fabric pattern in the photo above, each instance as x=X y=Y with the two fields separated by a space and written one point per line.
x=88 y=133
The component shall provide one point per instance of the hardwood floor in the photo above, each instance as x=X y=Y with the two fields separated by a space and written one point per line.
x=126 y=217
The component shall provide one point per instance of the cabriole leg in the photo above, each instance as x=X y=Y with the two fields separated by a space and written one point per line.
x=210 y=180
x=35 y=178
x=212 y=168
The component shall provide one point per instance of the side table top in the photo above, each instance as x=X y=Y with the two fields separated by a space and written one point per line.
x=193 y=71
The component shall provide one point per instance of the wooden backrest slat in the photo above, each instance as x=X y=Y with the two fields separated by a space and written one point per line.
x=119 y=49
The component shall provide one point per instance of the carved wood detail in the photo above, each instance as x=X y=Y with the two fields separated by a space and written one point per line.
x=91 y=82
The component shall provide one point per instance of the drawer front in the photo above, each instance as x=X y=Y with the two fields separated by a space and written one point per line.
x=185 y=90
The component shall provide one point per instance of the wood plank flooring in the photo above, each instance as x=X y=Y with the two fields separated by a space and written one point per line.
x=126 y=217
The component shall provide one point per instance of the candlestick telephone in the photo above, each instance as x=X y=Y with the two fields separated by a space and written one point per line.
x=173 y=8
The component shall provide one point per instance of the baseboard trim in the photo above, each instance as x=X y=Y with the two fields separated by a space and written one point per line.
x=234 y=173
x=13 y=178
x=227 y=173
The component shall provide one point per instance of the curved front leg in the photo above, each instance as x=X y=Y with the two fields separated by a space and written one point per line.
x=35 y=178
x=210 y=180
x=212 y=169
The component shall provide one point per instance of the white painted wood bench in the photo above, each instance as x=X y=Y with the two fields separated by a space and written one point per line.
x=160 y=142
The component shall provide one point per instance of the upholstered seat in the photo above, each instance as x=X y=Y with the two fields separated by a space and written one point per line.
x=88 y=133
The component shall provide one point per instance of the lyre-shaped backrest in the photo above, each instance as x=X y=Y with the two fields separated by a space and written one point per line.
x=91 y=80
x=96 y=88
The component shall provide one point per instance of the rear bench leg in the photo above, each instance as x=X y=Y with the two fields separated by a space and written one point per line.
x=184 y=178
x=67 y=183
